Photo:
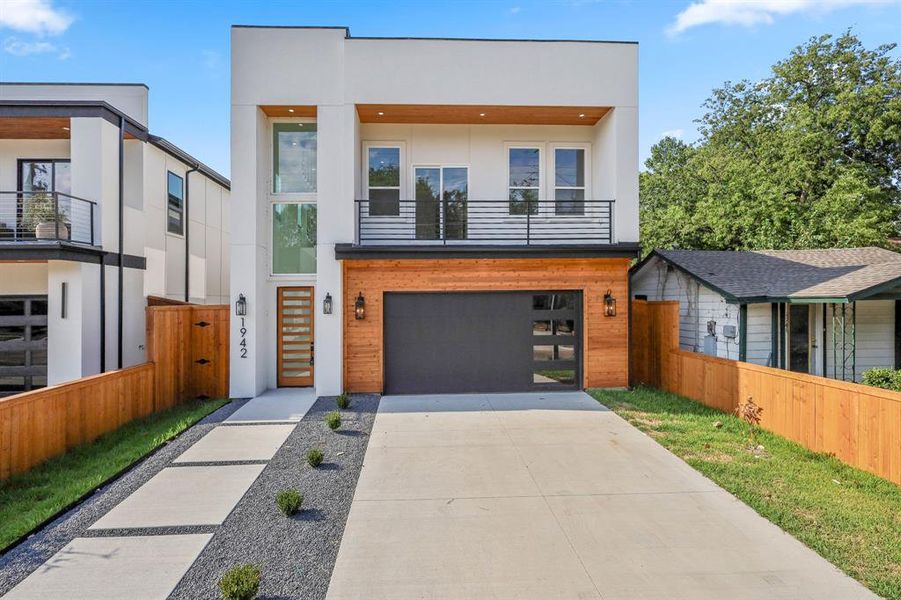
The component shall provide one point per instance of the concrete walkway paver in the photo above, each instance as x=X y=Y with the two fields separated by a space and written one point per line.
x=233 y=444
x=183 y=496
x=553 y=496
x=113 y=568
x=274 y=406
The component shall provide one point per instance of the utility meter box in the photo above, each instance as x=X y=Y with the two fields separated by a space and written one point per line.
x=711 y=327
x=710 y=345
x=730 y=331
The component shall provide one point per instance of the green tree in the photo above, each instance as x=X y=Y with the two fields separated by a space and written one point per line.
x=808 y=157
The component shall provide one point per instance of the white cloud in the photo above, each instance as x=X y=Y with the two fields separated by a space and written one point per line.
x=676 y=133
x=754 y=12
x=34 y=16
x=17 y=47
x=515 y=10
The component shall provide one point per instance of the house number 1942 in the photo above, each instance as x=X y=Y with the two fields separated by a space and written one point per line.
x=243 y=342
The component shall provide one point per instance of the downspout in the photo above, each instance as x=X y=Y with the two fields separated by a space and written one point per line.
x=121 y=237
x=102 y=315
x=187 y=220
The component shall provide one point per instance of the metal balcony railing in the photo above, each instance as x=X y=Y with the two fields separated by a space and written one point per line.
x=387 y=221
x=28 y=216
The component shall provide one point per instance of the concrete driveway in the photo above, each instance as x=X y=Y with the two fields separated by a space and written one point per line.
x=553 y=496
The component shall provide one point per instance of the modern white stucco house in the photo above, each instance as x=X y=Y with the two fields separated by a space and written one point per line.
x=83 y=182
x=831 y=312
x=430 y=214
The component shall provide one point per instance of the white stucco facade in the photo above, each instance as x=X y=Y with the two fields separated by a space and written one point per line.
x=156 y=258
x=334 y=73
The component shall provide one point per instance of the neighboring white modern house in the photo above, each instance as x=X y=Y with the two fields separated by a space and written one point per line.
x=830 y=312
x=83 y=183
x=437 y=215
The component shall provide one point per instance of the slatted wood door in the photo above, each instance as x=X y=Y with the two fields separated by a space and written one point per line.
x=295 y=336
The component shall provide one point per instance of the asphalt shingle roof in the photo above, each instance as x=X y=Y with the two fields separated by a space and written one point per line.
x=771 y=274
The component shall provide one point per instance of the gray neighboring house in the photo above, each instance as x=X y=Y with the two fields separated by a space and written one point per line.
x=832 y=312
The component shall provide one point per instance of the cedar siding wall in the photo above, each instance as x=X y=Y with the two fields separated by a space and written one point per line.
x=859 y=424
x=605 y=340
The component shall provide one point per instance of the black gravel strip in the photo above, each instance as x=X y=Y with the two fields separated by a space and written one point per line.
x=296 y=554
x=218 y=463
x=145 y=531
x=21 y=560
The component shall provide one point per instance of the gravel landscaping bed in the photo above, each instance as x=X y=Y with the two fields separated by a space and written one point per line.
x=21 y=560
x=296 y=554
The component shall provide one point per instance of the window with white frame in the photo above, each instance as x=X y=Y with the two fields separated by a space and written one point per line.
x=293 y=238
x=383 y=180
x=570 y=180
x=523 y=179
x=294 y=158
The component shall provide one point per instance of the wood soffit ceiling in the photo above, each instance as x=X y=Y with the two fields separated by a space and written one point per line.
x=457 y=114
x=272 y=110
x=37 y=128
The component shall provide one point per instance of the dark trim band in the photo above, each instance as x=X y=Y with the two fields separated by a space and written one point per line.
x=43 y=251
x=356 y=252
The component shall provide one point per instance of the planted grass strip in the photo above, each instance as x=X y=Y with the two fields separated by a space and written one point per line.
x=29 y=499
x=848 y=516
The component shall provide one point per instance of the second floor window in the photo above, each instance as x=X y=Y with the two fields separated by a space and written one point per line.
x=569 y=181
x=52 y=175
x=524 y=180
x=175 y=205
x=294 y=158
x=383 y=181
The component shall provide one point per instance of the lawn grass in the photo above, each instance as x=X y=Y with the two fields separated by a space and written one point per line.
x=848 y=516
x=28 y=499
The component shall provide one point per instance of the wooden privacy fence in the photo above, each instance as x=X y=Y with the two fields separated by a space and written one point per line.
x=859 y=424
x=187 y=350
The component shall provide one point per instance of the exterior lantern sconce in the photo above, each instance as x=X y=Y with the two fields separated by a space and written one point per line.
x=360 y=308
x=327 y=304
x=609 y=304
x=241 y=306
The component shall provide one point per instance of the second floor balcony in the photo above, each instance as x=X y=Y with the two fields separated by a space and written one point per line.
x=461 y=221
x=28 y=216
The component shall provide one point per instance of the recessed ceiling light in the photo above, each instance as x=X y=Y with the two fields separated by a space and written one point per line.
x=381 y=114
x=581 y=115
x=65 y=128
x=481 y=114
x=290 y=110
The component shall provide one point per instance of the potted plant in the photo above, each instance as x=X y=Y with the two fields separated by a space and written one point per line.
x=43 y=216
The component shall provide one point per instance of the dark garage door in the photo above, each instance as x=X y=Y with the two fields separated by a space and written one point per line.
x=482 y=342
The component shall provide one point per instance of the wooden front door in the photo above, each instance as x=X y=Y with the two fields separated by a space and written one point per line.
x=295 y=336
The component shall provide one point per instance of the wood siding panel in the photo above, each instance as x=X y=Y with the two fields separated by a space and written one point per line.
x=860 y=425
x=605 y=339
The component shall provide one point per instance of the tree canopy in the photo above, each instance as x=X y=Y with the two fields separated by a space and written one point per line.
x=809 y=157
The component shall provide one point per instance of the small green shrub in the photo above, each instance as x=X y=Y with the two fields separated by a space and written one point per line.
x=289 y=501
x=240 y=583
x=333 y=420
x=314 y=457
x=343 y=401
x=889 y=379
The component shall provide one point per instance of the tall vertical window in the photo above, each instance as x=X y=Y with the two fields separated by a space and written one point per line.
x=383 y=181
x=293 y=238
x=569 y=181
x=524 y=179
x=293 y=158
x=175 y=206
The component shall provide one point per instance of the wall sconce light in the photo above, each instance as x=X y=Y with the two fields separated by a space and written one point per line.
x=609 y=304
x=360 y=307
x=241 y=306
x=327 y=304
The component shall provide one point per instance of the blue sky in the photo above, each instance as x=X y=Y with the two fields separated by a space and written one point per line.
x=181 y=48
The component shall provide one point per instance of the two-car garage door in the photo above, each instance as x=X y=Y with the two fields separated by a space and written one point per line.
x=482 y=342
